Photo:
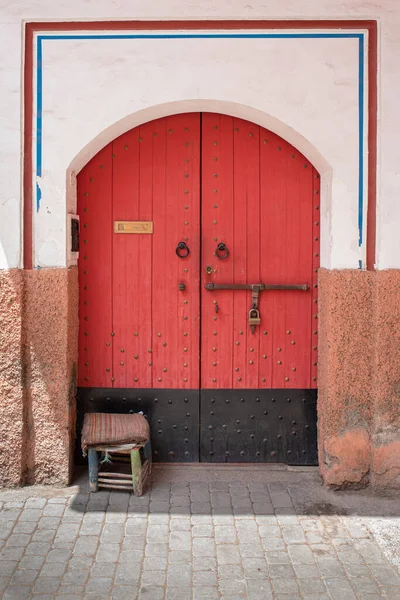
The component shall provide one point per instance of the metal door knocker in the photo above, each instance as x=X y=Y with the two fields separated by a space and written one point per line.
x=222 y=251
x=182 y=250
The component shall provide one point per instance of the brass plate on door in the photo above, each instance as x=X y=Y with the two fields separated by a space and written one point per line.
x=133 y=226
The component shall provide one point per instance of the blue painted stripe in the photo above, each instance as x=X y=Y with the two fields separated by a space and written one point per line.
x=172 y=36
x=39 y=117
x=361 y=139
x=169 y=36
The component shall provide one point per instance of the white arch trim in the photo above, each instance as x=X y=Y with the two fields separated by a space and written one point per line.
x=233 y=109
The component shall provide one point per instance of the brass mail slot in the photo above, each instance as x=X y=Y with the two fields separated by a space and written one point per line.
x=133 y=226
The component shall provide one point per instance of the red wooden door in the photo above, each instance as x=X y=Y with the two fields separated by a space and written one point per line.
x=260 y=197
x=137 y=329
x=152 y=335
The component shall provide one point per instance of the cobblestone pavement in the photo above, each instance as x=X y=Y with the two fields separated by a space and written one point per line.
x=223 y=536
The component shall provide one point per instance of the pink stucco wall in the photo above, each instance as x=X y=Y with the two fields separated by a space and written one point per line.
x=359 y=377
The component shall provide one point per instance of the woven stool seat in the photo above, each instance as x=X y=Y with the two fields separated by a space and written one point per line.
x=124 y=443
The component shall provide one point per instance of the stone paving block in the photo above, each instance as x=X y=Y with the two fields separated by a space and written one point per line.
x=135 y=526
x=53 y=569
x=201 y=508
x=225 y=534
x=254 y=550
x=134 y=555
x=80 y=577
x=266 y=520
x=311 y=524
x=80 y=563
x=220 y=499
x=99 y=585
x=263 y=508
x=58 y=555
x=340 y=588
x=49 y=523
x=208 y=578
x=17 y=592
x=278 y=571
x=86 y=545
x=287 y=518
x=108 y=552
x=23 y=527
x=273 y=544
x=9 y=515
x=175 y=557
x=14 y=553
x=72 y=515
x=202 y=531
x=232 y=587
x=53 y=510
x=204 y=563
x=181 y=524
x=228 y=571
x=281 y=499
x=205 y=592
x=31 y=562
x=356 y=529
x=311 y=585
x=46 y=585
x=18 y=539
x=44 y=535
x=35 y=503
x=151 y=593
x=300 y=553
x=158 y=506
x=180 y=541
x=370 y=551
x=128 y=573
x=392 y=593
x=179 y=575
x=385 y=575
x=150 y=578
x=241 y=502
x=113 y=533
x=155 y=563
x=67 y=532
x=203 y=547
x=363 y=586
x=159 y=533
x=252 y=564
x=285 y=585
x=277 y=557
x=293 y=534
x=221 y=517
x=124 y=592
x=356 y=570
x=259 y=590
x=269 y=531
x=112 y=516
x=180 y=501
x=228 y=554
x=155 y=549
x=330 y=567
x=24 y=576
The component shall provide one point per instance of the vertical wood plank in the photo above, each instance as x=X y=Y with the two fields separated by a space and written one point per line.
x=95 y=271
x=217 y=226
x=126 y=274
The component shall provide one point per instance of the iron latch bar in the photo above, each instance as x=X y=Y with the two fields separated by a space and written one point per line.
x=256 y=288
x=250 y=286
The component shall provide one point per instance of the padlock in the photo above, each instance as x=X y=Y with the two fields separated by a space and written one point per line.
x=254 y=317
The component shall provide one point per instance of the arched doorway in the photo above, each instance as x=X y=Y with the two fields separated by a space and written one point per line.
x=198 y=289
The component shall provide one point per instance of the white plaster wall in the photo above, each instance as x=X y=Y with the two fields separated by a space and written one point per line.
x=11 y=17
x=310 y=85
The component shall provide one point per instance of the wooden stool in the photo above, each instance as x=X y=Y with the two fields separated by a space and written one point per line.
x=135 y=457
